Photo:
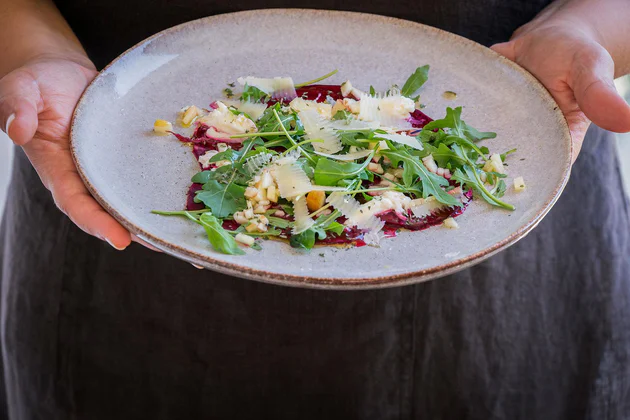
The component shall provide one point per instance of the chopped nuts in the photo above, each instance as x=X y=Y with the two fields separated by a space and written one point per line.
x=222 y=147
x=190 y=114
x=450 y=223
x=430 y=164
x=375 y=167
x=244 y=239
x=315 y=200
x=162 y=126
x=272 y=194
x=251 y=192
x=279 y=213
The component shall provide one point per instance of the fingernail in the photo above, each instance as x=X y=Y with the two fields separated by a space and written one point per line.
x=115 y=247
x=9 y=121
x=197 y=266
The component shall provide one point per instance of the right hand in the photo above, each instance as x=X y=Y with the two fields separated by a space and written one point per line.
x=36 y=105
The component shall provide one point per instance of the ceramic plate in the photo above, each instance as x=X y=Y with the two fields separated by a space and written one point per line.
x=131 y=171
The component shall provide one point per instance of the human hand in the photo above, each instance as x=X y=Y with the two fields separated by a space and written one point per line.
x=569 y=59
x=36 y=105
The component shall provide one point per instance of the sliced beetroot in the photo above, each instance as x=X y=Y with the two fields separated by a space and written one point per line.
x=319 y=92
x=419 y=119
x=190 y=198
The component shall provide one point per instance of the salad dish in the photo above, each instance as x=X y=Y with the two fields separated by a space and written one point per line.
x=317 y=164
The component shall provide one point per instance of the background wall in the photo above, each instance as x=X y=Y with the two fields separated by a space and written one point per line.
x=623 y=143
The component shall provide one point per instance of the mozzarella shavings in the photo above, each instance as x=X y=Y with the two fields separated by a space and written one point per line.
x=316 y=128
x=300 y=212
x=402 y=139
x=277 y=87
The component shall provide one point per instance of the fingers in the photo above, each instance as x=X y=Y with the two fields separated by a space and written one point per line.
x=591 y=79
x=60 y=176
x=20 y=104
x=134 y=238
x=506 y=49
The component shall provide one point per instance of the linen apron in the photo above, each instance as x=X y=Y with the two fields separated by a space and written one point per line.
x=539 y=331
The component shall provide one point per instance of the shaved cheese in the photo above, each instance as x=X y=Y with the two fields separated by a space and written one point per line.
x=316 y=128
x=224 y=121
x=292 y=180
x=254 y=164
x=253 y=109
x=300 y=212
x=353 y=124
x=353 y=211
x=323 y=109
x=392 y=110
x=425 y=207
x=402 y=139
x=347 y=157
x=278 y=87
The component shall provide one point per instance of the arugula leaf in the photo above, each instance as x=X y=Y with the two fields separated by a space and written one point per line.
x=342 y=114
x=467 y=175
x=415 y=81
x=444 y=156
x=304 y=240
x=330 y=172
x=223 y=199
x=202 y=177
x=253 y=94
x=335 y=227
x=504 y=155
x=278 y=222
x=458 y=127
x=413 y=168
x=372 y=91
x=220 y=239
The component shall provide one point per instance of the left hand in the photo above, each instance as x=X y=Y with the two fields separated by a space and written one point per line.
x=577 y=70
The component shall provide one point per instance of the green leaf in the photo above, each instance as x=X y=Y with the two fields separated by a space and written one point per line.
x=413 y=168
x=458 y=127
x=253 y=94
x=202 y=177
x=372 y=91
x=330 y=172
x=223 y=199
x=336 y=228
x=415 y=81
x=504 y=155
x=304 y=240
x=278 y=222
x=220 y=239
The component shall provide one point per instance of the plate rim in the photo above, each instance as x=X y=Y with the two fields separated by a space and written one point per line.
x=401 y=279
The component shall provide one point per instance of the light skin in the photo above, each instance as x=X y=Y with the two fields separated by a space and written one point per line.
x=574 y=47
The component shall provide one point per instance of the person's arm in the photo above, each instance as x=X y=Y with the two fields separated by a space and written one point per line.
x=43 y=72
x=576 y=48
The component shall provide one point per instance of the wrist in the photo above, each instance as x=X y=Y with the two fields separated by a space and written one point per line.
x=29 y=34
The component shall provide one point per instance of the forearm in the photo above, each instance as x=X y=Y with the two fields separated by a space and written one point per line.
x=605 y=20
x=32 y=28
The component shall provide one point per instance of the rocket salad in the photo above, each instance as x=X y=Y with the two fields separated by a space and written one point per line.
x=330 y=164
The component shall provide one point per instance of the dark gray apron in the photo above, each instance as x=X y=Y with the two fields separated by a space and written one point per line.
x=540 y=331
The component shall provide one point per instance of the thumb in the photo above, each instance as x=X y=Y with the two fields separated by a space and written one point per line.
x=592 y=83
x=20 y=103
x=506 y=49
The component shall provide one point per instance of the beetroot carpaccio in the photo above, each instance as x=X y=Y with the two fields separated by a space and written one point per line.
x=319 y=164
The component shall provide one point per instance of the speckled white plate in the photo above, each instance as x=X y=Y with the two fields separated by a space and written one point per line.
x=130 y=171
